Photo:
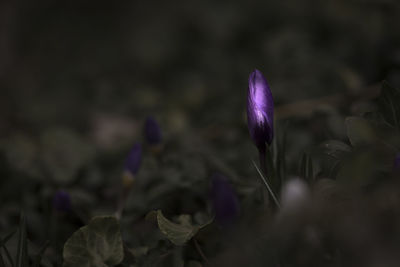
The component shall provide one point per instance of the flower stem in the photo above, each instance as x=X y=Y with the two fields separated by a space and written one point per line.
x=200 y=251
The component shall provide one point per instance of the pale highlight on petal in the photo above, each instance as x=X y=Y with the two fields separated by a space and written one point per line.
x=260 y=110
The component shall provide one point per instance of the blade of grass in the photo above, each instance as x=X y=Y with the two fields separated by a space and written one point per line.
x=3 y=245
x=306 y=168
x=2 y=264
x=8 y=255
x=22 y=250
x=267 y=185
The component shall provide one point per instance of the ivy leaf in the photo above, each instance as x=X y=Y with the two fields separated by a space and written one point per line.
x=336 y=149
x=330 y=155
x=177 y=233
x=388 y=104
x=97 y=244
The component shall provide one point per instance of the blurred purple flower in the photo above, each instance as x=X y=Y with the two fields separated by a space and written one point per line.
x=133 y=160
x=396 y=163
x=152 y=131
x=260 y=110
x=62 y=201
x=225 y=201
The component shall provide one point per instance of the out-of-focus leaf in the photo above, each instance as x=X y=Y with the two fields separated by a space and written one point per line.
x=388 y=104
x=360 y=167
x=139 y=251
x=335 y=148
x=325 y=189
x=328 y=157
x=180 y=233
x=97 y=244
x=21 y=153
x=360 y=132
x=64 y=153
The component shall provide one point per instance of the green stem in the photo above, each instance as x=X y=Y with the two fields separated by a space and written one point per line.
x=200 y=251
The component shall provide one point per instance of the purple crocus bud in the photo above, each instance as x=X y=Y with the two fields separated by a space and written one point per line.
x=62 y=201
x=134 y=159
x=260 y=110
x=152 y=131
x=396 y=162
x=225 y=201
x=132 y=165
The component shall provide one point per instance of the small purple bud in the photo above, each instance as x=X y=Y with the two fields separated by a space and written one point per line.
x=152 y=131
x=134 y=159
x=260 y=110
x=225 y=201
x=396 y=162
x=62 y=201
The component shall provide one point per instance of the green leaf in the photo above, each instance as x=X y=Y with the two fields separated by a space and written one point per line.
x=336 y=149
x=97 y=244
x=360 y=132
x=388 y=104
x=329 y=156
x=362 y=167
x=325 y=189
x=180 y=233
x=22 y=249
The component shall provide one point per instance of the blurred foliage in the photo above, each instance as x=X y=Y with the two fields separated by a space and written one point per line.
x=78 y=80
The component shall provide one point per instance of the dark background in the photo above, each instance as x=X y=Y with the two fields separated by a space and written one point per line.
x=62 y=62
x=78 y=79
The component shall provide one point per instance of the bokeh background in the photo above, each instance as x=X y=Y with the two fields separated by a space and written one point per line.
x=78 y=79
x=63 y=63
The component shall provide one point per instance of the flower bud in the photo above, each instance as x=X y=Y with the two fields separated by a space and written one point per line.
x=132 y=165
x=396 y=163
x=260 y=110
x=225 y=201
x=62 y=201
x=152 y=131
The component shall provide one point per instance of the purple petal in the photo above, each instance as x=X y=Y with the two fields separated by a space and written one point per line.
x=225 y=201
x=260 y=110
x=152 y=131
x=134 y=159
x=62 y=201
x=396 y=163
